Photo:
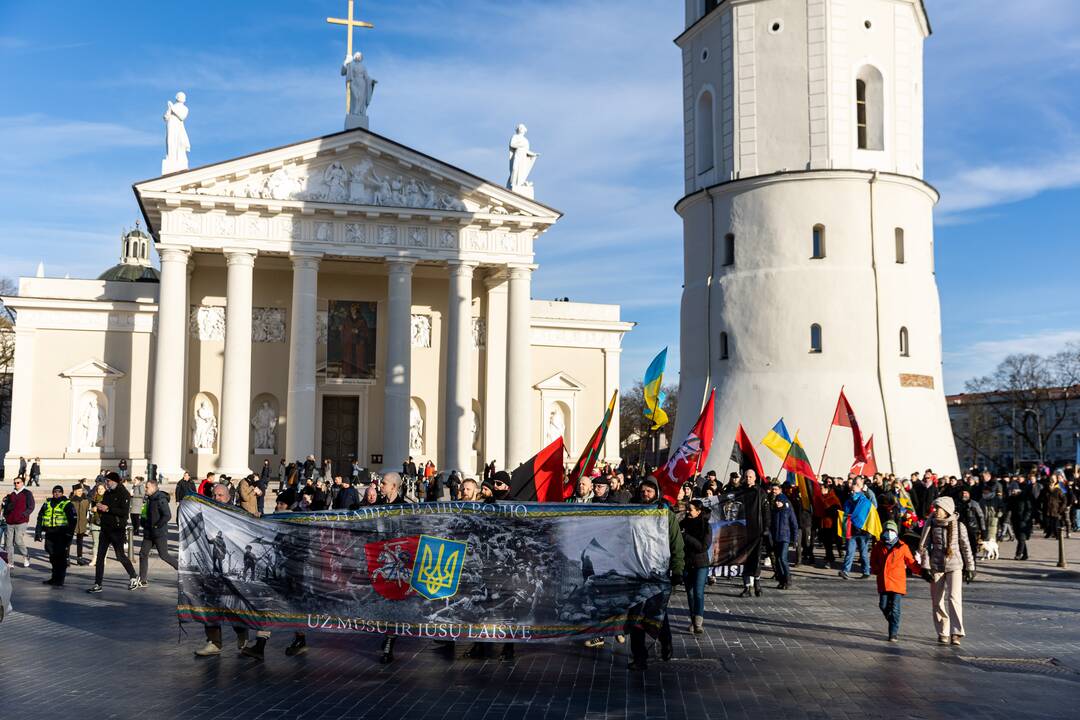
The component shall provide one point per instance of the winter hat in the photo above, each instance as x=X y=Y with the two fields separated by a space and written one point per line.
x=58 y=487
x=501 y=477
x=947 y=504
x=601 y=480
x=891 y=525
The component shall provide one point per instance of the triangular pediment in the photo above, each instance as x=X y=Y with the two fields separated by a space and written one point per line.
x=560 y=381
x=93 y=369
x=347 y=171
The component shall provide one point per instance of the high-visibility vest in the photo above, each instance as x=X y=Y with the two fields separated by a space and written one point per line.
x=55 y=516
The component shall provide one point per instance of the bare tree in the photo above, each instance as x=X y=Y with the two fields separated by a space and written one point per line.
x=633 y=425
x=979 y=431
x=8 y=288
x=1035 y=394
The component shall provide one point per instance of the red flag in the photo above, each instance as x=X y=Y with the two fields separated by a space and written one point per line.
x=689 y=457
x=845 y=417
x=867 y=467
x=589 y=455
x=745 y=456
x=542 y=477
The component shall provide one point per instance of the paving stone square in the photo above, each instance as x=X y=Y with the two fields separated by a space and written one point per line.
x=818 y=650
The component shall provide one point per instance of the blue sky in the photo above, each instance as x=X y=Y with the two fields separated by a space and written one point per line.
x=83 y=86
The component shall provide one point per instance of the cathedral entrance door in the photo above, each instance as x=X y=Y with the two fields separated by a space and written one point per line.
x=340 y=416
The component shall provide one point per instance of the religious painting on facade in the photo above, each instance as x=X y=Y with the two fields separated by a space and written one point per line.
x=350 y=340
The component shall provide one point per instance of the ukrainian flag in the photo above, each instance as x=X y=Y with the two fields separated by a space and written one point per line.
x=778 y=440
x=654 y=397
x=862 y=513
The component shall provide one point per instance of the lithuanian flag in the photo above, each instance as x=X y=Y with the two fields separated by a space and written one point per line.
x=798 y=466
x=589 y=455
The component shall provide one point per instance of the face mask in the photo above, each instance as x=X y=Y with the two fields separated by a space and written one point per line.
x=890 y=537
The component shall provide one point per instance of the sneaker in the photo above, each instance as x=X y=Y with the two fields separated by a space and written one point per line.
x=208 y=650
x=943 y=639
x=142 y=584
x=94 y=588
x=594 y=643
x=844 y=575
x=894 y=638
x=955 y=640
x=26 y=562
x=83 y=561
x=133 y=584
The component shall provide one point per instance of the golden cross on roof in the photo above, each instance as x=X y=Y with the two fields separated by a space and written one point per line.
x=349 y=24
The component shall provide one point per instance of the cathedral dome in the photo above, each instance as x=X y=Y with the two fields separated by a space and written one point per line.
x=134 y=265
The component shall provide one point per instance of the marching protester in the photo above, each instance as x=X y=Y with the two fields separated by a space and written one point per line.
x=642 y=617
x=56 y=520
x=220 y=494
x=113 y=509
x=18 y=506
x=889 y=561
x=783 y=531
x=390 y=489
x=947 y=561
x=697 y=541
x=757 y=530
x=1020 y=512
x=857 y=539
x=155 y=530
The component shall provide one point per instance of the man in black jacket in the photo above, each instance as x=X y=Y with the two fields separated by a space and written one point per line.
x=390 y=489
x=155 y=530
x=758 y=519
x=56 y=520
x=113 y=511
x=347 y=498
x=1020 y=509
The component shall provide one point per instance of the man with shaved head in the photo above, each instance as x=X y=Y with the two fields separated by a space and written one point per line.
x=390 y=489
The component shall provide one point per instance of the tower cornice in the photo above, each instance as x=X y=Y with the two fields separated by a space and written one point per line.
x=800 y=175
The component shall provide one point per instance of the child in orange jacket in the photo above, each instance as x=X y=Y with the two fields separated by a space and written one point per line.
x=888 y=561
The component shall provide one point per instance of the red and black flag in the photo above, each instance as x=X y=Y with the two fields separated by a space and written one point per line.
x=745 y=456
x=845 y=417
x=542 y=477
x=589 y=455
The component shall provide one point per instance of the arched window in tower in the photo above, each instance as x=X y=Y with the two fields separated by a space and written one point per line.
x=905 y=349
x=729 y=249
x=900 y=245
x=815 y=338
x=723 y=346
x=870 y=108
x=818 y=242
x=704 y=133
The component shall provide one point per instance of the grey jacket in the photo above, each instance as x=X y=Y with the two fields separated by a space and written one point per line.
x=932 y=546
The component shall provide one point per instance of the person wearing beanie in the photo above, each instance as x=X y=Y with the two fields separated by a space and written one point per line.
x=947 y=561
x=113 y=509
x=56 y=520
x=888 y=561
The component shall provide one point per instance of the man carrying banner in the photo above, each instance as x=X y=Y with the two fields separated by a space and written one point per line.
x=220 y=494
x=390 y=489
x=757 y=528
x=649 y=494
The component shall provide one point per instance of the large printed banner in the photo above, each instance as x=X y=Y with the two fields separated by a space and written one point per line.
x=731 y=542
x=448 y=570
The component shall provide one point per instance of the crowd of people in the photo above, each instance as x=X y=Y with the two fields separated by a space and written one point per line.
x=931 y=527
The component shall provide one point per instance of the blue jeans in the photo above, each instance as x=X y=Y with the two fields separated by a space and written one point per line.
x=783 y=569
x=889 y=602
x=1076 y=519
x=694 y=579
x=863 y=544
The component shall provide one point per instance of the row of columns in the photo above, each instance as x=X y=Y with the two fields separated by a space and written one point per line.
x=169 y=373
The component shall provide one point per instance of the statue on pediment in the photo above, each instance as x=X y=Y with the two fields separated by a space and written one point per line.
x=177 y=145
x=361 y=88
x=522 y=160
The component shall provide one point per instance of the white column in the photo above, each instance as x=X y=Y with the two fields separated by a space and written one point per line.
x=398 y=384
x=519 y=406
x=236 y=383
x=170 y=406
x=495 y=370
x=300 y=409
x=456 y=426
x=612 y=451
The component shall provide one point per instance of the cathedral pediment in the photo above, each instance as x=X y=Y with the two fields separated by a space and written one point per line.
x=351 y=171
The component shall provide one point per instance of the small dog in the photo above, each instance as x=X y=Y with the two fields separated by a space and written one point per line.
x=988 y=550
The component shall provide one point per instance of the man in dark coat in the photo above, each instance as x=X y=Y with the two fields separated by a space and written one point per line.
x=390 y=489
x=185 y=487
x=113 y=510
x=347 y=498
x=155 y=530
x=56 y=520
x=1020 y=509
x=757 y=528
x=923 y=495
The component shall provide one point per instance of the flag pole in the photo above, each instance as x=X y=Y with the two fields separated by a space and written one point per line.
x=829 y=434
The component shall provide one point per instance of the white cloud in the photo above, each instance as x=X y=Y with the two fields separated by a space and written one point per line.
x=980 y=358
x=990 y=185
x=35 y=140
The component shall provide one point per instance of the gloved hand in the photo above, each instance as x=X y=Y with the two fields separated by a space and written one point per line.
x=969 y=576
x=676 y=579
x=925 y=575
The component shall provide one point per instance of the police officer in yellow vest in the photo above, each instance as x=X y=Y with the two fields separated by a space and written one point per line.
x=56 y=520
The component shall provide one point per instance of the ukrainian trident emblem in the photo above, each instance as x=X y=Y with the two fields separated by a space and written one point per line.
x=438 y=567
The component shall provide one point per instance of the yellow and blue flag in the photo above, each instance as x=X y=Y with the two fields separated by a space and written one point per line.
x=860 y=511
x=654 y=396
x=778 y=440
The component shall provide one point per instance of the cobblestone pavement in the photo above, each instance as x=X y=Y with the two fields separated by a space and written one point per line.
x=815 y=651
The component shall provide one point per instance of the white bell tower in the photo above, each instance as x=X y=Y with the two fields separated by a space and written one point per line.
x=808 y=229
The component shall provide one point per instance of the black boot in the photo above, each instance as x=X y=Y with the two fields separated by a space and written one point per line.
x=745 y=591
x=757 y=589
x=387 y=651
x=507 y=654
x=297 y=647
x=255 y=651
